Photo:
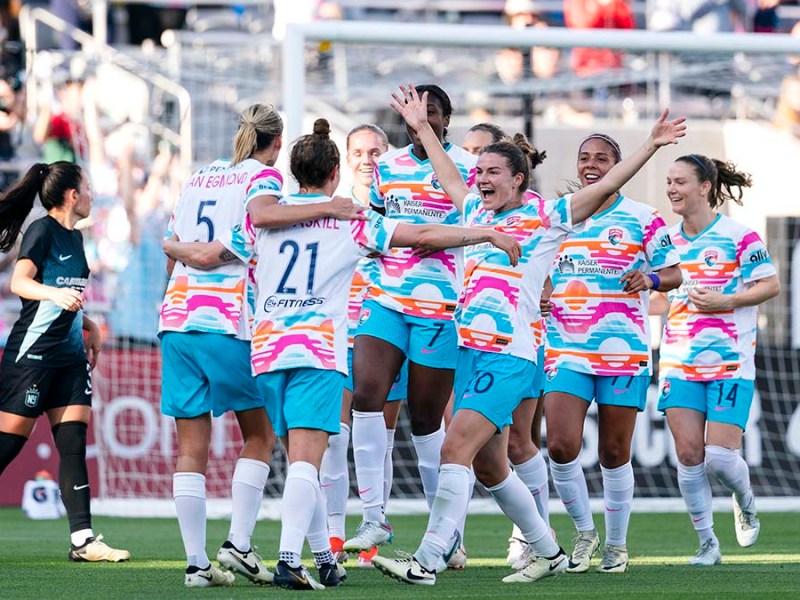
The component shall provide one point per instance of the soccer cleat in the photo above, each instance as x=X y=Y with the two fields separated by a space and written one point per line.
x=539 y=567
x=369 y=534
x=615 y=560
x=338 y=553
x=365 y=558
x=586 y=544
x=746 y=523
x=458 y=560
x=708 y=555
x=294 y=578
x=516 y=550
x=526 y=557
x=96 y=550
x=208 y=577
x=405 y=568
x=331 y=574
x=247 y=564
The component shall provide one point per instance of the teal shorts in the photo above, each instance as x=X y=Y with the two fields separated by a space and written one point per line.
x=538 y=377
x=206 y=372
x=428 y=342
x=611 y=390
x=399 y=389
x=490 y=384
x=302 y=399
x=721 y=400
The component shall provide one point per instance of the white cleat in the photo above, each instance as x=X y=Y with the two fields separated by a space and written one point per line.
x=405 y=568
x=615 y=560
x=746 y=523
x=368 y=535
x=538 y=568
x=516 y=550
x=586 y=544
x=208 y=577
x=708 y=555
x=248 y=564
x=96 y=550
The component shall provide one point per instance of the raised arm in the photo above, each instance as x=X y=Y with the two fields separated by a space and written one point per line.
x=415 y=112
x=266 y=213
x=434 y=237
x=588 y=199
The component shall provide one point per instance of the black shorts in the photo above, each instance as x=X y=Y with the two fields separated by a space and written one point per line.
x=31 y=390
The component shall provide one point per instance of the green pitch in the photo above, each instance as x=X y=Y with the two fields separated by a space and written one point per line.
x=33 y=562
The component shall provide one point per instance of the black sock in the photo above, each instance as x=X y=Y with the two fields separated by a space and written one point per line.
x=73 y=476
x=10 y=445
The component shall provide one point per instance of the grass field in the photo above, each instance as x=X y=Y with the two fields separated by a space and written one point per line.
x=33 y=562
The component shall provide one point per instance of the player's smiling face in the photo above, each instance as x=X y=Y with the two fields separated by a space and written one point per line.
x=686 y=193
x=595 y=159
x=362 y=152
x=436 y=119
x=498 y=187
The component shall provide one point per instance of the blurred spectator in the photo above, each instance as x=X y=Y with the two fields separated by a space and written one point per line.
x=12 y=114
x=509 y=62
x=77 y=13
x=597 y=14
x=699 y=16
x=765 y=19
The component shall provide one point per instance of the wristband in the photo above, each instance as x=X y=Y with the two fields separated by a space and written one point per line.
x=656 y=281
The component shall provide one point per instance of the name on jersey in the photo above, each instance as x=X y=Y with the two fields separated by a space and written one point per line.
x=274 y=302
x=324 y=223
x=217 y=181
x=80 y=282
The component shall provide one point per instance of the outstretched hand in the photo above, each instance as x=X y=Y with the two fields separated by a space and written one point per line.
x=411 y=107
x=666 y=132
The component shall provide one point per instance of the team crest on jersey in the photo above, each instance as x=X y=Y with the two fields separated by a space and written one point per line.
x=665 y=386
x=711 y=257
x=32 y=396
x=435 y=183
x=362 y=318
x=615 y=235
x=513 y=219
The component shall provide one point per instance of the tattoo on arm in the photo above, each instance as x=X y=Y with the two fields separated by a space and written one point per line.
x=227 y=256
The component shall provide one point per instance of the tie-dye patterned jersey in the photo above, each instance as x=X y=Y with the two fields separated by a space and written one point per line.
x=726 y=256
x=407 y=188
x=212 y=203
x=303 y=277
x=366 y=272
x=499 y=308
x=595 y=326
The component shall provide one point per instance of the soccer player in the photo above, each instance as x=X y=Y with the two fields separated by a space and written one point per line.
x=206 y=313
x=365 y=144
x=407 y=316
x=707 y=367
x=497 y=349
x=598 y=349
x=46 y=366
x=298 y=351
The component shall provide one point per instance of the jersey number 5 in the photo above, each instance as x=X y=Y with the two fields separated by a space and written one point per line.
x=294 y=249
x=201 y=218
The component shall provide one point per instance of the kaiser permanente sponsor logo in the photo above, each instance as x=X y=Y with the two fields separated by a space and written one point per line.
x=273 y=302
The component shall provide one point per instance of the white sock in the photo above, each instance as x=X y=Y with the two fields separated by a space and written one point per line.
x=298 y=505
x=731 y=470
x=448 y=507
x=696 y=491
x=462 y=524
x=516 y=502
x=618 y=486
x=533 y=474
x=429 y=453
x=334 y=476
x=570 y=483
x=189 y=492
x=388 y=467
x=80 y=537
x=247 y=491
x=369 y=452
x=318 y=536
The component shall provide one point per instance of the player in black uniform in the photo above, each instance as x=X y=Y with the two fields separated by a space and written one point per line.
x=46 y=364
